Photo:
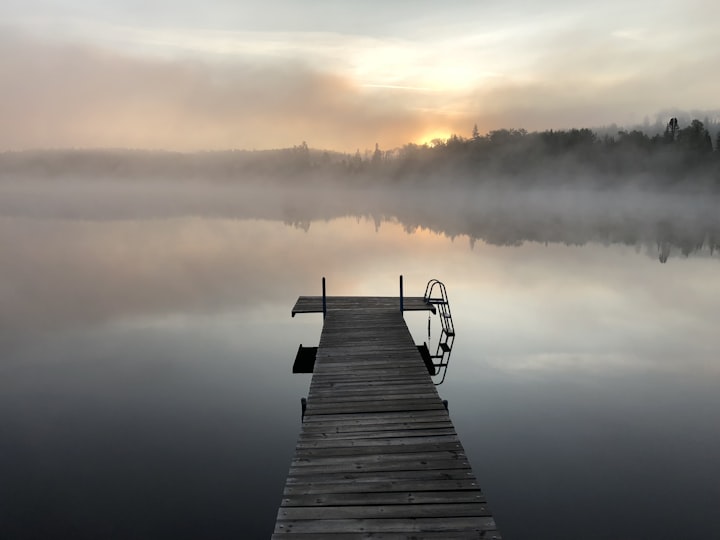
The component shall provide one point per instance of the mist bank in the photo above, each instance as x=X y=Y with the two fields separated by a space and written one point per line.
x=663 y=224
x=678 y=159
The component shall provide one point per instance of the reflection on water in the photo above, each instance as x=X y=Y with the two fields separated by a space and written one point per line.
x=146 y=344
x=664 y=223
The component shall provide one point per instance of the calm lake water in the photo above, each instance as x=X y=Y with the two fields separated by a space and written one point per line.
x=146 y=349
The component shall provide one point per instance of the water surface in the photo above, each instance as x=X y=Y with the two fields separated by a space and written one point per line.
x=146 y=348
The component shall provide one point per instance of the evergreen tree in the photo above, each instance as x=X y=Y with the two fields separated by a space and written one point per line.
x=377 y=155
x=695 y=138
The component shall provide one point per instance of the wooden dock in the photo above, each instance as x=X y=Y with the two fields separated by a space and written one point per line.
x=377 y=456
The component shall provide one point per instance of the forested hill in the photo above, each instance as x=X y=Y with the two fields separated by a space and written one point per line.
x=681 y=157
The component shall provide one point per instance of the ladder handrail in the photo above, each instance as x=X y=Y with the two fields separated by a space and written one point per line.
x=447 y=335
x=442 y=302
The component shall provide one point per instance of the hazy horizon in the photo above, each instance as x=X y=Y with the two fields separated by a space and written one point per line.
x=656 y=126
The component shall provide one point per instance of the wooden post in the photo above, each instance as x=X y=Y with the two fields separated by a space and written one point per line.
x=324 y=299
x=402 y=307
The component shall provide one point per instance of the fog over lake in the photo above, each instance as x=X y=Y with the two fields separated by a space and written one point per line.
x=146 y=348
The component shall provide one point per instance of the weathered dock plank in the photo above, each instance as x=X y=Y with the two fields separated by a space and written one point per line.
x=383 y=498
x=377 y=455
x=445 y=535
x=471 y=525
x=384 y=485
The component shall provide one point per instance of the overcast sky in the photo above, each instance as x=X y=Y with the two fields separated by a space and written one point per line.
x=234 y=74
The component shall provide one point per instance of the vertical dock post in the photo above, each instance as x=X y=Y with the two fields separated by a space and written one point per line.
x=402 y=307
x=324 y=299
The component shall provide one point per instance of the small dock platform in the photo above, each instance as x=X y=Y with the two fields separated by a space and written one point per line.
x=314 y=304
x=377 y=456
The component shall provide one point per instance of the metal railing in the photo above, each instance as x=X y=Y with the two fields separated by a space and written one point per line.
x=436 y=294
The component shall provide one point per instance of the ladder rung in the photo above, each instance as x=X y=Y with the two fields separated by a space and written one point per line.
x=445 y=347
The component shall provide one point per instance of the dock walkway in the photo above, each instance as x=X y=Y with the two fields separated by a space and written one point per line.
x=377 y=456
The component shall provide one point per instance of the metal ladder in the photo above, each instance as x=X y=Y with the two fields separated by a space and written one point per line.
x=441 y=358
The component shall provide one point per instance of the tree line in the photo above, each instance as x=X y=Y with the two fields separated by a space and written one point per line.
x=678 y=157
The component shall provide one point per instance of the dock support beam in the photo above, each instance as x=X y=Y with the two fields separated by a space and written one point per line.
x=402 y=307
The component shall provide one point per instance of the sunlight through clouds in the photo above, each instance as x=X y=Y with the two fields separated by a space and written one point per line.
x=230 y=74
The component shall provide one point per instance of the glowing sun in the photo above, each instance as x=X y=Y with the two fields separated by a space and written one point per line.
x=431 y=137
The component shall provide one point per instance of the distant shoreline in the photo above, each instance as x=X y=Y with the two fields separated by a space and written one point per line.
x=680 y=159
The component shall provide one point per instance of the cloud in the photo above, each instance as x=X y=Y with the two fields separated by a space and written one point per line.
x=79 y=96
x=114 y=84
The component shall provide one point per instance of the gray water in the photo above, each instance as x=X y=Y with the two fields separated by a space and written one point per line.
x=146 y=349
